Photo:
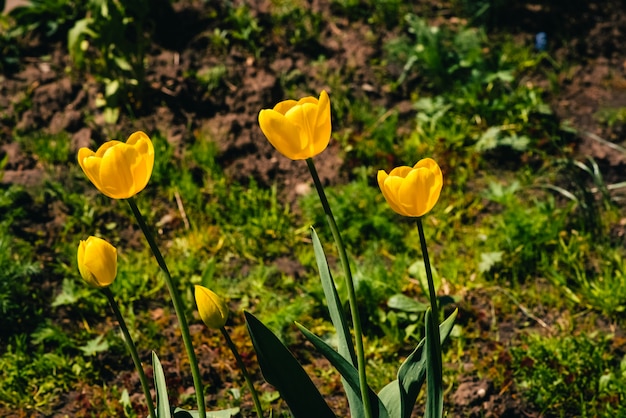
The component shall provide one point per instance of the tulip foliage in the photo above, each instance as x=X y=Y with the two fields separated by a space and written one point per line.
x=300 y=130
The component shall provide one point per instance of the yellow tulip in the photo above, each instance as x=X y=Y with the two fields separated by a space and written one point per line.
x=298 y=129
x=97 y=261
x=119 y=169
x=412 y=191
x=212 y=309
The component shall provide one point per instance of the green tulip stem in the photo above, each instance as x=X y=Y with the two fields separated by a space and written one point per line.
x=244 y=370
x=132 y=348
x=178 y=308
x=433 y=297
x=354 y=311
x=429 y=274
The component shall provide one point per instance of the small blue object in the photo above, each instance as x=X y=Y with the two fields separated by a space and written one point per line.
x=541 y=41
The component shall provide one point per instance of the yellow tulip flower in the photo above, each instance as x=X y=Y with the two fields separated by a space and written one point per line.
x=298 y=129
x=119 y=169
x=212 y=309
x=412 y=191
x=97 y=261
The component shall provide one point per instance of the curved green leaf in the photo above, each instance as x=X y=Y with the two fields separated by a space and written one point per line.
x=345 y=345
x=434 y=369
x=162 y=402
x=224 y=413
x=347 y=370
x=412 y=372
x=404 y=303
x=281 y=369
x=390 y=397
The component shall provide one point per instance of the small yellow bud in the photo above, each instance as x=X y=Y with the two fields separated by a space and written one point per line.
x=97 y=261
x=212 y=309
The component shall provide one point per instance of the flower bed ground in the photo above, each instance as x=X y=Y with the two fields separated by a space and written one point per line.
x=230 y=210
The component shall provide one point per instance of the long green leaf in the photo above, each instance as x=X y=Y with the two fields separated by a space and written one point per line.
x=347 y=370
x=282 y=370
x=345 y=345
x=162 y=401
x=412 y=372
x=391 y=397
x=224 y=413
x=434 y=378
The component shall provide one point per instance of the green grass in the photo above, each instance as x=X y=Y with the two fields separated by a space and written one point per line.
x=535 y=234
x=571 y=376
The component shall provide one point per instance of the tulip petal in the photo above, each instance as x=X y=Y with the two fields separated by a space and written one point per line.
x=104 y=147
x=84 y=153
x=435 y=188
x=281 y=133
x=84 y=272
x=401 y=171
x=431 y=165
x=115 y=171
x=284 y=106
x=323 y=109
x=380 y=177
x=323 y=125
x=304 y=117
x=90 y=164
x=142 y=169
x=308 y=99
x=414 y=191
x=390 y=191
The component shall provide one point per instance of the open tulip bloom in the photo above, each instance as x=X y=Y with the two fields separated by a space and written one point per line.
x=119 y=169
x=412 y=191
x=298 y=129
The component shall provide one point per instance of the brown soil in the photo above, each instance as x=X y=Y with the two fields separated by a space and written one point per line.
x=591 y=37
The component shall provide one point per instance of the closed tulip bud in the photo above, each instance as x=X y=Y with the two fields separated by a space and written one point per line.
x=298 y=129
x=412 y=191
x=97 y=261
x=212 y=309
x=119 y=169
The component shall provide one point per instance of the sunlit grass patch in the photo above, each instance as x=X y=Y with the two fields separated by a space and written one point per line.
x=571 y=376
x=49 y=148
x=35 y=378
